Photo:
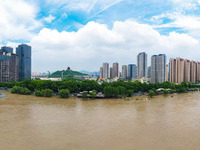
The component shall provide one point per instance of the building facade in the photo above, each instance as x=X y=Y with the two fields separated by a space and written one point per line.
x=167 y=72
x=8 y=67
x=24 y=53
x=184 y=70
x=149 y=72
x=111 y=72
x=142 y=65
x=115 y=70
x=101 y=72
x=124 y=71
x=6 y=49
x=106 y=71
x=132 y=71
x=158 y=68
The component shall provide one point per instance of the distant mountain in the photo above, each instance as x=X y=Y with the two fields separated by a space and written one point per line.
x=66 y=73
x=91 y=73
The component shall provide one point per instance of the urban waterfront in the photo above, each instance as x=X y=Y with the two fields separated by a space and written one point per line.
x=29 y=122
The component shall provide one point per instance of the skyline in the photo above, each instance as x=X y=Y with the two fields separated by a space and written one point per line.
x=82 y=35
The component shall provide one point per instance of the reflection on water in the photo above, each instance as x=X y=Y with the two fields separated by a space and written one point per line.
x=167 y=123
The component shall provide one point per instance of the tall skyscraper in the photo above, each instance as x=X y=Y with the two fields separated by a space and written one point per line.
x=132 y=71
x=198 y=71
x=8 y=67
x=124 y=71
x=24 y=53
x=106 y=73
x=115 y=70
x=193 y=72
x=186 y=70
x=158 y=68
x=142 y=65
x=14 y=68
x=167 y=72
x=149 y=72
x=6 y=49
x=111 y=72
x=101 y=72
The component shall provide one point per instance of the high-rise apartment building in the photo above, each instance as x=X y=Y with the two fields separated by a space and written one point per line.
x=6 y=49
x=124 y=71
x=198 y=71
x=115 y=70
x=132 y=71
x=184 y=70
x=24 y=53
x=14 y=68
x=142 y=65
x=149 y=72
x=8 y=67
x=111 y=72
x=101 y=72
x=167 y=72
x=106 y=71
x=193 y=72
x=158 y=68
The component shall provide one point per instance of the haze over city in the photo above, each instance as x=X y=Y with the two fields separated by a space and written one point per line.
x=84 y=34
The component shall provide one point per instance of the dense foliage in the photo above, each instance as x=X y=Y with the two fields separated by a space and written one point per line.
x=85 y=95
x=20 y=90
x=165 y=92
x=110 y=91
x=66 y=74
x=93 y=94
x=151 y=93
x=114 y=89
x=64 y=93
x=130 y=93
x=44 y=93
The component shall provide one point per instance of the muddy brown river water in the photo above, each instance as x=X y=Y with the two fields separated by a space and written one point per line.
x=162 y=123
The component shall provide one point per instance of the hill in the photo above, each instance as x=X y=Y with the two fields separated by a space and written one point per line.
x=66 y=74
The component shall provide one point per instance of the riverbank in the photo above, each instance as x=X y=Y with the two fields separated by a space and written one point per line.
x=134 y=98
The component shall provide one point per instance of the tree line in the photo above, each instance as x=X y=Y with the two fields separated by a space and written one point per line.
x=112 y=89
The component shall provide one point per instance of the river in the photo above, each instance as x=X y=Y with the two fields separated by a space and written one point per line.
x=162 y=123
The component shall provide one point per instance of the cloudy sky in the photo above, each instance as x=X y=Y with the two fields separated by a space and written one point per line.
x=83 y=34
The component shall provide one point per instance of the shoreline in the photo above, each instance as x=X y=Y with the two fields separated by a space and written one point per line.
x=133 y=98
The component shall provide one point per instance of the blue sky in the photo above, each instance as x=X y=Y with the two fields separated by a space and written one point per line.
x=85 y=33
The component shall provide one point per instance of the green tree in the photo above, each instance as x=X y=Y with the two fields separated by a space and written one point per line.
x=173 y=91
x=47 y=93
x=93 y=94
x=115 y=92
x=151 y=93
x=166 y=92
x=64 y=93
x=165 y=85
x=38 y=93
x=108 y=91
x=130 y=93
x=85 y=95
x=26 y=91
x=122 y=91
x=20 y=90
x=16 y=90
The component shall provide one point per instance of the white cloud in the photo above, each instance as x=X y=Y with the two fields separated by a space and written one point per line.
x=17 y=20
x=49 y=19
x=183 y=16
x=94 y=44
x=86 y=5
x=188 y=23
